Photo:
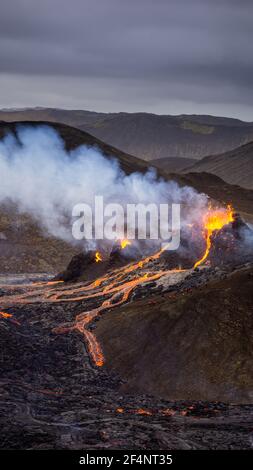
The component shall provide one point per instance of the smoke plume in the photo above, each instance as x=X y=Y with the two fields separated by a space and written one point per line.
x=44 y=180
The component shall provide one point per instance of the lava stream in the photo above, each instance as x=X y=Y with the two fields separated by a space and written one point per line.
x=85 y=318
x=5 y=315
x=214 y=220
x=116 y=285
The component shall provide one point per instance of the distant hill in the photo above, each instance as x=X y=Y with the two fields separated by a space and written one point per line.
x=235 y=167
x=173 y=163
x=149 y=136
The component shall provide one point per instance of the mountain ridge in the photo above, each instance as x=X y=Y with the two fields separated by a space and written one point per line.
x=234 y=167
x=146 y=135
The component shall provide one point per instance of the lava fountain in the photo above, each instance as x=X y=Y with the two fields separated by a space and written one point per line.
x=98 y=257
x=124 y=243
x=214 y=219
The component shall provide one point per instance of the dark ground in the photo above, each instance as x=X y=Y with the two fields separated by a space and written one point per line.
x=52 y=397
x=149 y=136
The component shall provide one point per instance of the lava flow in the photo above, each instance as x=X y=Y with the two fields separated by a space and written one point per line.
x=114 y=287
x=195 y=410
x=98 y=257
x=215 y=219
x=84 y=319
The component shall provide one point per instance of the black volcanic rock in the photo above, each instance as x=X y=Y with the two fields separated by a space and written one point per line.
x=77 y=266
x=52 y=397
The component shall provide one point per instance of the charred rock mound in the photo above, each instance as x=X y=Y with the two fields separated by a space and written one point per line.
x=86 y=266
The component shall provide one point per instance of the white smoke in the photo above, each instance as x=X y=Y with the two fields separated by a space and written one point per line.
x=46 y=181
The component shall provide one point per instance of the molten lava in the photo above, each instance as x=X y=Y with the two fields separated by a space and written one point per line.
x=115 y=288
x=5 y=315
x=108 y=291
x=124 y=243
x=215 y=219
x=98 y=257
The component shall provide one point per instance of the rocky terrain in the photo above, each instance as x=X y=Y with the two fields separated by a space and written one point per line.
x=52 y=396
x=149 y=136
x=127 y=352
x=167 y=366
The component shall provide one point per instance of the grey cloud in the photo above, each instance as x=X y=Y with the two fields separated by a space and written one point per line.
x=192 y=50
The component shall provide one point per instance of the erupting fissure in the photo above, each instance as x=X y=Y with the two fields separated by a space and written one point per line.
x=115 y=286
x=98 y=257
x=215 y=219
x=124 y=243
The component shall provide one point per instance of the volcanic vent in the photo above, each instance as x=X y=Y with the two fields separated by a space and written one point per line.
x=106 y=283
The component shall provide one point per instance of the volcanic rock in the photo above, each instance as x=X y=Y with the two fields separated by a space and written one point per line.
x=77 y=266
x=53 y=398
x=195 y=341
x=84 y=266
x=233 y=244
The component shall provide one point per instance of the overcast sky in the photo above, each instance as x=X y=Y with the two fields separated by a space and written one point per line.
x=161 y=56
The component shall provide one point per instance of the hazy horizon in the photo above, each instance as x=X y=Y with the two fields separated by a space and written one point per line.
x=30 y=108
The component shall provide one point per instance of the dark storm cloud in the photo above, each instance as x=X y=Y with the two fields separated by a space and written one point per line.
x=195 y=50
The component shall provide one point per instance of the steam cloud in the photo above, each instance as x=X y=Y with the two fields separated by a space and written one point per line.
x=46 y=181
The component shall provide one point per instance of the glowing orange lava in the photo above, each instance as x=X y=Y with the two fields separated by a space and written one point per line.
x=98 y=257
x=215 y=219
x=108 y=291
x=114 y=287
x=124 y=243
x=43 y=283
x=141 y=411
x=148 y=412
x=5 y=315
x=120 y=410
